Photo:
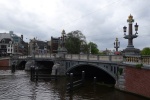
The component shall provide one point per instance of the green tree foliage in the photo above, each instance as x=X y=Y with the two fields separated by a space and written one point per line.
x=93 y=47
x=145 y=51
x=75 y=42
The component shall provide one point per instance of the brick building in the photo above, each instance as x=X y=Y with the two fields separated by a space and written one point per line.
x=54 y=44
x=11 y=43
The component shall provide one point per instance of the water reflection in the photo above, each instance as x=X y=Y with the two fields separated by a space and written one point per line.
x=18 y=86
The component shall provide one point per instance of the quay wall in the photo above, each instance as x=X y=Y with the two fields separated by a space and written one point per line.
x=137 y=80
x=4 y=63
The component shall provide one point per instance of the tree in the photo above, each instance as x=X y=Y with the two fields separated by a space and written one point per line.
x=93 y=48
x=145 y=51
x=74 y=42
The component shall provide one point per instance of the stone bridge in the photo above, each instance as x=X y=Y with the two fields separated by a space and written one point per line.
x=112 y=69
x=93 y=65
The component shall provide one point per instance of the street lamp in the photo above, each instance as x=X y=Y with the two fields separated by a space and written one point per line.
x=130 y=50
x=124 y=30
x=116 y=44
x=90 y=49
x=130 y=36
x=33 y=46
x=136 y=28
x=62 y=39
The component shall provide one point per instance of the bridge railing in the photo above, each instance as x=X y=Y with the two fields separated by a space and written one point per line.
x=44 y=56
x=90 y=57
x=117 y=58
x=93 y=57
x=137 y=59
x=68 y=56
x=75 y=57
x=83 y=56
x=104 y=58
x=114 y=58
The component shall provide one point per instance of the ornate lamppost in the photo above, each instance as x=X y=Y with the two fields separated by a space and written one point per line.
x=33 y=50
x=90 y=49
x=130 y=50
x=116 y=44
x=62 y=39
x=34 y=42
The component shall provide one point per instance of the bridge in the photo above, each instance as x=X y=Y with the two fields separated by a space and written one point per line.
x=112 y=69
x=93 y=65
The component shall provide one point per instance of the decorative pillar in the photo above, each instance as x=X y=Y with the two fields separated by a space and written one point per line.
x=130 y=50
x=116 y=44
x=61 y=48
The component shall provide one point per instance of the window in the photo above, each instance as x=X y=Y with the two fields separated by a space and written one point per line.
x=3 y=46
x=3 y=41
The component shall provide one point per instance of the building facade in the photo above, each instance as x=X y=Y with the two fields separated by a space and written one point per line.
x=38 y=47
x=11 y=43
x=54 y=45
x=5 y=39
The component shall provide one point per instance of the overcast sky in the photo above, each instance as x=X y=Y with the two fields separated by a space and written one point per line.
x=101 y=21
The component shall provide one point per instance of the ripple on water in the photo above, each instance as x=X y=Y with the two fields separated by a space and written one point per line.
x=8 y=72
x=18 y=86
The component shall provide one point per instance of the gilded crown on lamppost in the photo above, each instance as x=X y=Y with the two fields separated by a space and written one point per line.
x=116 y=39
x=63 y=32
x=130 y=19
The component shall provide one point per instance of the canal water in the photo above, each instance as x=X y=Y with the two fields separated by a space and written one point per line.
x=18 y=86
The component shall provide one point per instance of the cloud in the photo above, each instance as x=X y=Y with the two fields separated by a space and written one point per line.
x=100 y=21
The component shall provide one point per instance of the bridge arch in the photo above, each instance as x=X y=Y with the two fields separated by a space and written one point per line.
x=21 y=65
x=91 y=71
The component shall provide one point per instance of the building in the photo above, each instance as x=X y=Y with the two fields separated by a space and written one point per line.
x=10 y=48
x=38 y=47
x=54 y=44
x=11 y=43
x=5 y=39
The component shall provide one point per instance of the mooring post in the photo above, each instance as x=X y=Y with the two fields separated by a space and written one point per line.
x=55 y=74
x=71 y=81
x=37 y=76
x=31 y=73
x=83 y=77
x=94 y=80
x=67 y=74
x=13 y=67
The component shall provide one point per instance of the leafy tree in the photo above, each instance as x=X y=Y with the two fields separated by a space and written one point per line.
x=93 y=48
x=74 y=42
x=145 y=51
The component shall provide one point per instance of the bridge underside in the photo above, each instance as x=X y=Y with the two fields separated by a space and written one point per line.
x=40 y=64
x=91 y=72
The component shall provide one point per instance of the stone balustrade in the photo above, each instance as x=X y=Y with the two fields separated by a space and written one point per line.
x=137 y=59
x=79 y=57
x=114 y=58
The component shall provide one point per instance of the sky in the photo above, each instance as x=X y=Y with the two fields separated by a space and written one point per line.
x=101 y=21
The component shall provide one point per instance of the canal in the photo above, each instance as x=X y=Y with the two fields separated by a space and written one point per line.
x=18 y=86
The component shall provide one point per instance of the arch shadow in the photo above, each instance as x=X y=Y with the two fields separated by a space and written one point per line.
x=92 y=71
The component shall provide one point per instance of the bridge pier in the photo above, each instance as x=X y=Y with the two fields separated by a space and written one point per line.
x=32 y=73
